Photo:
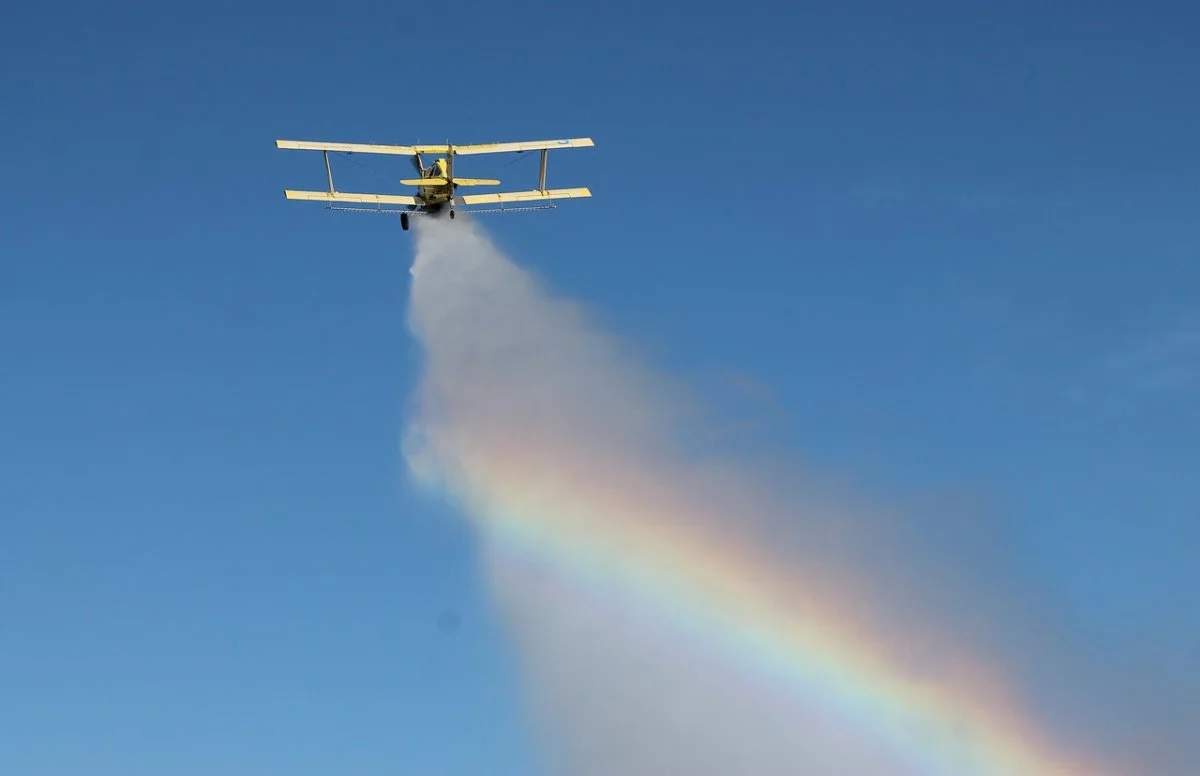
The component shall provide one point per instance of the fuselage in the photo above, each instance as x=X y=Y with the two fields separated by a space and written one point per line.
x=437 y=195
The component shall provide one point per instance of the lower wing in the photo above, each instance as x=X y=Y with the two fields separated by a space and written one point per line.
x=346 y=196
x=522 y=196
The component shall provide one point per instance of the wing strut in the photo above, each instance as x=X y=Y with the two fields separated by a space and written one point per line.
x=328 y=170
x=450 y=173
x=542 y=170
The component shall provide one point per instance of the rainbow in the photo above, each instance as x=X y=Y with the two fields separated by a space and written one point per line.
x=715 y=588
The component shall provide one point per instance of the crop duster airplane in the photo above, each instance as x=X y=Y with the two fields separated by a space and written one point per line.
x=437 y=185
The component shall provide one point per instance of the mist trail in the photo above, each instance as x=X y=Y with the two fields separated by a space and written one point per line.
x=676 y=614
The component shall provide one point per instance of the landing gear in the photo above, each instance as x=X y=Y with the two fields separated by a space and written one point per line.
x=452 y=212
x=404 y=221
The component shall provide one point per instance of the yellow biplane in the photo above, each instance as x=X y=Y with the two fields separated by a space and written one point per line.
x=437 y=185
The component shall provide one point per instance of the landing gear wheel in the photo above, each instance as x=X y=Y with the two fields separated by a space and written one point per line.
x=452 y=214
x=404 y=221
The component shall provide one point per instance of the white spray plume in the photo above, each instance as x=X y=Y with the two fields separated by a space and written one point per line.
x=519 y=386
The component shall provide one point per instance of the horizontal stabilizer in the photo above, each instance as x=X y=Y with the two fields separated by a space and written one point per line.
x=439 y=181
x=522 y=196
x=345 y=196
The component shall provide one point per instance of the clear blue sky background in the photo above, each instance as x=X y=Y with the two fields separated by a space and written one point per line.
x=958 y=245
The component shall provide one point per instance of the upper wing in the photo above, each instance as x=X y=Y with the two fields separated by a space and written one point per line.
x=529 y=145
x=360 y=148
x=460 y=150
x=522 y=196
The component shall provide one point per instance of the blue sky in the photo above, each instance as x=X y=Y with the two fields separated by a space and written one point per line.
x=955 y=246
